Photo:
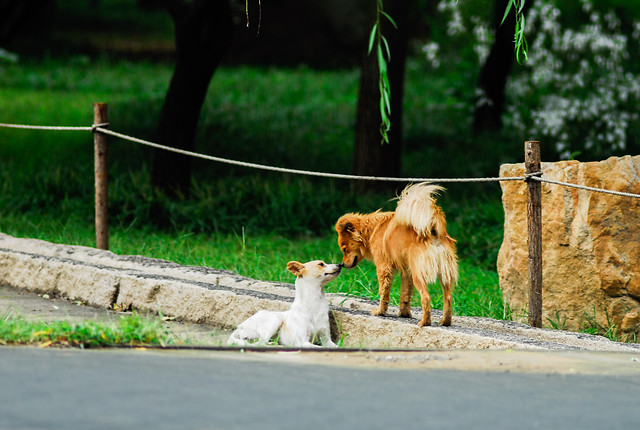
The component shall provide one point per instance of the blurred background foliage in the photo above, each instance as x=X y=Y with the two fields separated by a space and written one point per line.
x=286 y=94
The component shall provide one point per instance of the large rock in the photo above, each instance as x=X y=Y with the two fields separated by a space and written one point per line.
x=591 y=245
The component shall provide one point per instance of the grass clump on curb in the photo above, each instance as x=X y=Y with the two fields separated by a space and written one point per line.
x=130 y=330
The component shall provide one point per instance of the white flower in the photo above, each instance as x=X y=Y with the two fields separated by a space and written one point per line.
x=582 y=96
x=430 y=51
x=484 y=39
x=455 y=26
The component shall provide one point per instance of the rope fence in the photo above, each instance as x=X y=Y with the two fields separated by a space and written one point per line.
x=585 y=188
x=48 y=127
x=533 y=178
x=537 y=176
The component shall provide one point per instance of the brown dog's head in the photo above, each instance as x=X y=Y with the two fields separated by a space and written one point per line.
x=350 y=240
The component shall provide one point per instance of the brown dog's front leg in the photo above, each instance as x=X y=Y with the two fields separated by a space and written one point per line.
x=385 y=276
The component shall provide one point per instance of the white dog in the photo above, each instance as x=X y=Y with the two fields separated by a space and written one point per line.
x=307 y=319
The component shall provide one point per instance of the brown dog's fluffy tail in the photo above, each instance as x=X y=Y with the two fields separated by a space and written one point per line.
x=417 y=209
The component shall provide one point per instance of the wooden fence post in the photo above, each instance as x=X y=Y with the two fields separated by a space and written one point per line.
x=534 y=224
x=101 y=181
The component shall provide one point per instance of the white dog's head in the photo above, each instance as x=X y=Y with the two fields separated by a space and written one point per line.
x=316 y=269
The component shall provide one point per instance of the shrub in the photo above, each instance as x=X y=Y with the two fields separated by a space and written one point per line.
x=576 y=90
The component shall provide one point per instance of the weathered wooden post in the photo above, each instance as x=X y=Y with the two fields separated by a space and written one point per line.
x=100 y=117
x=534 y=224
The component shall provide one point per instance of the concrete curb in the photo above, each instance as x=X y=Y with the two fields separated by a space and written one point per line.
x=224 y=299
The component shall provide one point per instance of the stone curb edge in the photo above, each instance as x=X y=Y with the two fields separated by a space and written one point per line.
x=224 y=299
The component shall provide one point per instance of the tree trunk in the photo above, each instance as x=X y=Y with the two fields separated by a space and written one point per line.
x=371 y=157
x=497 y=68
x=203 y=32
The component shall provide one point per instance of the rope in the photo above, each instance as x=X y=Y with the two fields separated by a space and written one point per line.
x=529 y=176
x=95 y=127
x=300 y=172
x=48 y=127
x=536 y=176
x=584 y=187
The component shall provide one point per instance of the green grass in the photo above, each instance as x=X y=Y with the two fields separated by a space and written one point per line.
x=250 y=223
x=263 y=256
x=592 y=324
x=132 y=330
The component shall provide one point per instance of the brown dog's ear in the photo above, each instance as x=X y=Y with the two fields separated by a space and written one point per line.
x=295 y=267
x=347 y=227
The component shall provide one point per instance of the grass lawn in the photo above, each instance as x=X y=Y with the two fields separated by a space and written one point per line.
x=262 y=256
x=247 y=222
x=130 y=330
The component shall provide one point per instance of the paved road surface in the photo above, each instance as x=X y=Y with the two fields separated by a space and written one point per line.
x=429 y=389
x=116 y=389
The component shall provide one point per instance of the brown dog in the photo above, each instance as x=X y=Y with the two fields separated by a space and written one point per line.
x=412 y=240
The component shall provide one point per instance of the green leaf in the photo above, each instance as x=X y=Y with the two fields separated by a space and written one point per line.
x=386 y=46
x=383 y=133
x=506 y=12
x=386 y=15
x=385 y=81
x=382 y=64
x=387 y=102
x=372 y=37
x=522 y=47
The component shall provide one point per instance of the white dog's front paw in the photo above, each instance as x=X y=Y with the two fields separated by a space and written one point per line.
x=309 y=345
x=329 y=344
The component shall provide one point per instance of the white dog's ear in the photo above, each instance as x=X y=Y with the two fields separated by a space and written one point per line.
x=295 y=267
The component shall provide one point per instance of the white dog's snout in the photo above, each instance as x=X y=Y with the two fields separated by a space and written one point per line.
x=335 y=269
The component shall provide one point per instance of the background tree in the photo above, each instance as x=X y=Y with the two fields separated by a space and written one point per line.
x=372 y=157
x=203 y=34
x=490 y=98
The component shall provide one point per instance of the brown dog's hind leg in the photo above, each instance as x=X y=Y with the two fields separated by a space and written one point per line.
x=446 y=304
x=385 y=276
x=406 y=291
x=425 y=299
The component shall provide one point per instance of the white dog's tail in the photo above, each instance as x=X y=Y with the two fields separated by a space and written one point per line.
x=417 y=209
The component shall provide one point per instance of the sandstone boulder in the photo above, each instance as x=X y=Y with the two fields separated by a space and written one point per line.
x=591 y=245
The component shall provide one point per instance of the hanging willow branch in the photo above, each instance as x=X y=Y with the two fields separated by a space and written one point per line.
x=520 y=40
x=383 y=55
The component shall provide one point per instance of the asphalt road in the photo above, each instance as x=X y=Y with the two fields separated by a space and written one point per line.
x=128 y=389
